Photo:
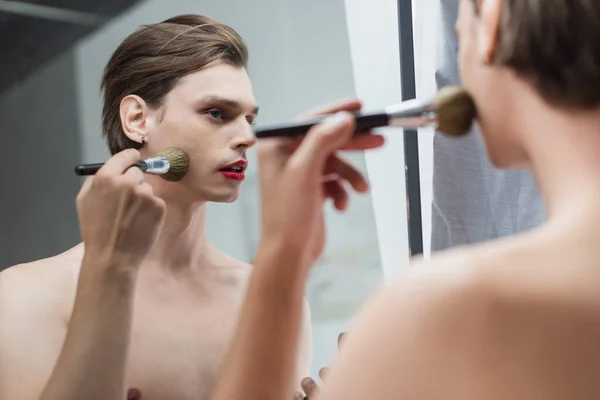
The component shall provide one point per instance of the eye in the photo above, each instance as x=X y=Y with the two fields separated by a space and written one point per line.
x=215 y=114
x=251 y=120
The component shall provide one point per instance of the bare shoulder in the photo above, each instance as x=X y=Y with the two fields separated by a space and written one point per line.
x=427 y=322
x=35 y=303
x=40 y=284
x=39 y=293
x=230 y=270
x=236 y=264
x=454 y=283
x=454 y=289
x=240 y=265
x=484 y=321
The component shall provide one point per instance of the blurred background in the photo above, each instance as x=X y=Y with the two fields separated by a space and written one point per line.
x=302 y=54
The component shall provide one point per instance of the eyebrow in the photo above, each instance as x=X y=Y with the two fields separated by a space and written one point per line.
x=226 y=102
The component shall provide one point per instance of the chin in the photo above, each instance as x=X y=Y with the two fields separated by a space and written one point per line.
x=224 y=196
x=505 y=158
x=497 y=161
x=500 y=152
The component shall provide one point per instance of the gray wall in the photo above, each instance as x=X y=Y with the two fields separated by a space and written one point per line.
x=41 y=144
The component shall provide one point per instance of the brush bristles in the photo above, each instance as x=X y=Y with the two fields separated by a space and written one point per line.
x=179 y=161
x=456 y=111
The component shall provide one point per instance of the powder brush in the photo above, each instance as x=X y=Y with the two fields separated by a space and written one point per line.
x=452 y=111
x=171 y=164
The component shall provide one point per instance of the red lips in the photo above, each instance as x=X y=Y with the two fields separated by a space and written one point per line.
x=241 y=164
x=235 y=171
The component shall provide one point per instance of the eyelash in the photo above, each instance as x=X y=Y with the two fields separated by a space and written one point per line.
x=210 y=112
x=222 y=118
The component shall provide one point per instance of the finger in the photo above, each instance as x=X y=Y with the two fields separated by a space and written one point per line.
x=134 y=175
x=322 y=140
x=323 y=372
x=338 y=166
x=309 y=386
x=134 y=394
x=145 y=189
x=146 y=193
x=119 y=163
x=140 y=203
x=367 y=141
x=343 y=105
x=338 y=193
x=160 y=208
x=148 y=209
x=330 y=177
x=273 y=153
x=298 y=396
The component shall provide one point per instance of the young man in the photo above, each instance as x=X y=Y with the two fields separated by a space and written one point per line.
x=472 y=201
x=515 y=318
x=145 y=303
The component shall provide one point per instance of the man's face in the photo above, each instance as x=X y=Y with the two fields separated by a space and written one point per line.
x=209 y=115
x=490 y=85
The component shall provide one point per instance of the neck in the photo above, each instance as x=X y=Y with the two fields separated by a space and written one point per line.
x=564 y=149
x=182 y=243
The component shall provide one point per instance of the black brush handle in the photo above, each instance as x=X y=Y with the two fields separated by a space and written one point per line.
x=364 y=123
x=91 y=169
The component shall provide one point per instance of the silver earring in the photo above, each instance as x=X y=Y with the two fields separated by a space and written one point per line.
x=143 y=141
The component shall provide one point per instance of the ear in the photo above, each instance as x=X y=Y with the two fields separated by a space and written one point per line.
x=134 y=114
x=490 y=12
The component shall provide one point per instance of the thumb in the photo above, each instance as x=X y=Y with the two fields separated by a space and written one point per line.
x=324 y=139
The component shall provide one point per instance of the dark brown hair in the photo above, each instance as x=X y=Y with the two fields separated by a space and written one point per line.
x=152 y=60
x=556 y=45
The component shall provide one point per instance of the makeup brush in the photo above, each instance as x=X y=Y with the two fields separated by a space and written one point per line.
x=452 y=111
x=171 y=164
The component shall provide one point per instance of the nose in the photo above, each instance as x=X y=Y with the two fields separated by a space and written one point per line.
x=244 y=138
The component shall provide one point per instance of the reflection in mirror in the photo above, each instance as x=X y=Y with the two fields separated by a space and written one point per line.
x=291 y=69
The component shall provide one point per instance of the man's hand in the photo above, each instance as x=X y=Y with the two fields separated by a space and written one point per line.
x=298 y=175
x=120 y=219
x=309 y=386
x=119 y=215
x=295 y=182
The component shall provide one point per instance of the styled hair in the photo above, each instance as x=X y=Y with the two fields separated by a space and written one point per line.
x=555 y=44
x=151 y=61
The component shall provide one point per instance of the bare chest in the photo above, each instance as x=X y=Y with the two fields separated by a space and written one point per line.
x=176 y=352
